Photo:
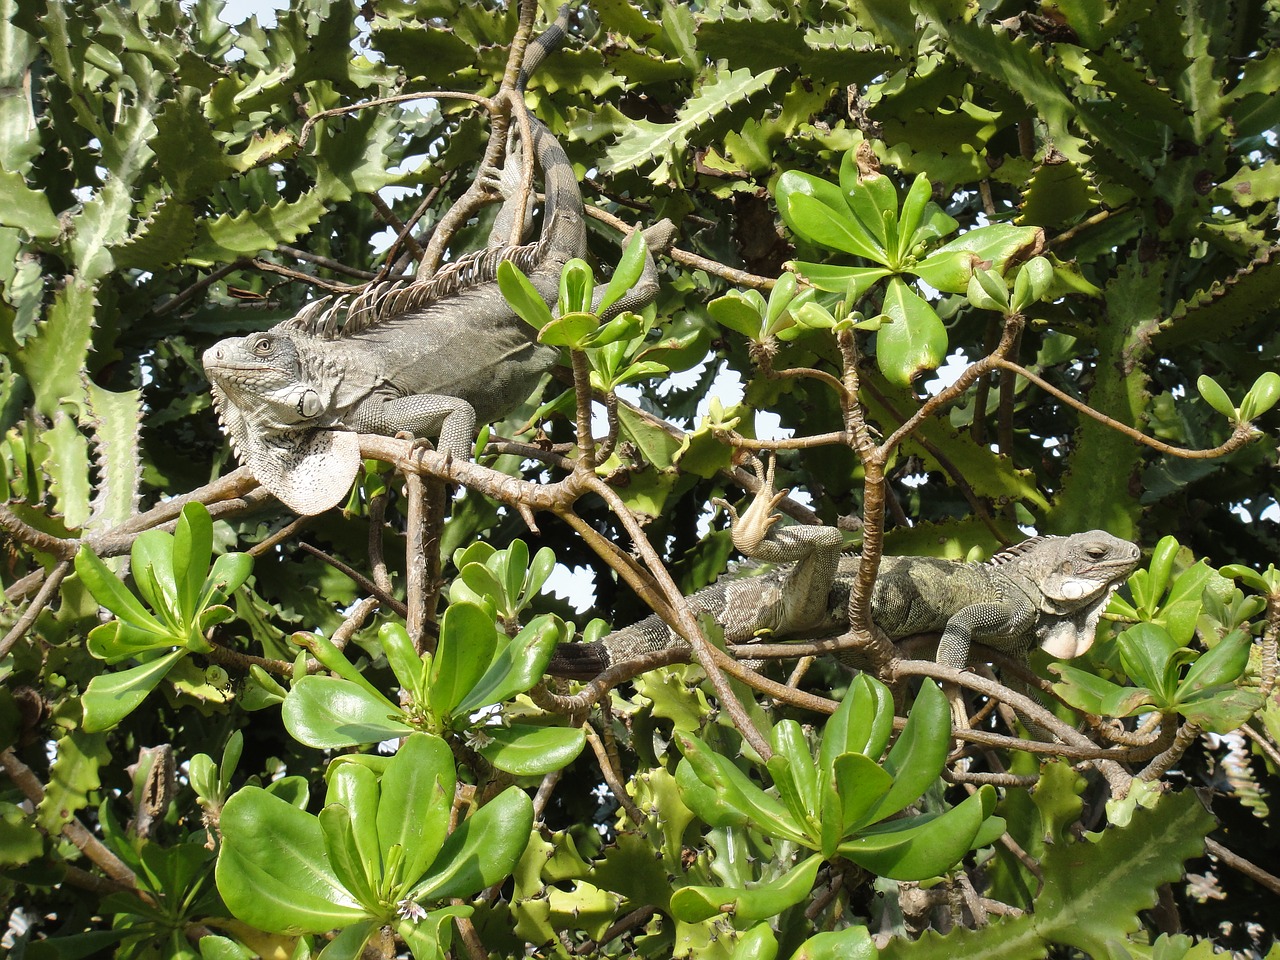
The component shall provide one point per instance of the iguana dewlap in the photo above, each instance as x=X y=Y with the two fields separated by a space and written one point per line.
x=431 y=358
x=1046 y=591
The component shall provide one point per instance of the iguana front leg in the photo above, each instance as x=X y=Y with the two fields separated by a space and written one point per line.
x=1005 y=621
x=1002 y=624
x=422 y=415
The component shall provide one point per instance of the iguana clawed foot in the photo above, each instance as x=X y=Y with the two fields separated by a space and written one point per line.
x=751 y=528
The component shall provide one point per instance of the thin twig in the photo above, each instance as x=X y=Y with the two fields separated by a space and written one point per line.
x=1241 y=865
x=73 y=829
x=611 y=776
x=38 y=603
x=364 y=583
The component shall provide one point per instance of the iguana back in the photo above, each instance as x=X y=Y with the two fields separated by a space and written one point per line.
x=432 y=358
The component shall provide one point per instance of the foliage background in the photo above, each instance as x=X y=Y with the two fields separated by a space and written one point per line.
x=156 y=200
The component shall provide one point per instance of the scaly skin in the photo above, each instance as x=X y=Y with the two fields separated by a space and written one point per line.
x=1046 y=591
x=432 y=358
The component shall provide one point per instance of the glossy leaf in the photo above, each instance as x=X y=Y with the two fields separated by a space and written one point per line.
x=107 y=589
x=531 y=751
x=354 y=788
x=273 y=871
x=916 y=759
x=741 y=311
x=569 y=330
x=1222 y=665
x=693 y=904
x=192 y=548
x=518 y=665
x=482 y=851
x=522 y=296
x=851 y=943
x=468 y=640
x=915 y=340
x=355 y=874
x=789 y=742
x=862 y=723
x=416 y=799
x=576 y=283
x=918 y=848
x=110 y=697
x=1148 y=654
x=734 y=789
x=626 y=274
x=330 y=713
x=853 y=793
x=817 y=222
x=404 y=660
x=1215 y=396
x=851 y=282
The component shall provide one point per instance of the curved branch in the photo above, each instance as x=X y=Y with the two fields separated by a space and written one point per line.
x=1241 y=434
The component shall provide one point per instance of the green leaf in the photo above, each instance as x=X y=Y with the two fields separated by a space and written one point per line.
x=576 y=283
x=734 y=789
x=330 y=713
x=859 y=787
x=1216 y=397
x=862 y=723
x=1221 y=665
x=789 y=742
x=482 y=851
x=468 y=639
x=523 y=296
x=356 y=875
x=851 y=943
x=758 y=943
x=852 y=282
x=272 y=868
x=816 y=221
x=517 y=667
x=914 y=341
x=353 y=787
x=1262 y=396
x=530 y=751
x=569 y=330
x=628 y=271
x=417 y=797
x=693 y=904
x=1147 y=652
x=192 y=548
x=913 y=209
x=874 y=201
x=404 y=660
x=430 y=938
x=107 y=589
x=110 y=697
x=916 y=760
x=740 y=310
x=918 y=848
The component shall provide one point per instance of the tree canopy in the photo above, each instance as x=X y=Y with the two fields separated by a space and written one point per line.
x=981 y=271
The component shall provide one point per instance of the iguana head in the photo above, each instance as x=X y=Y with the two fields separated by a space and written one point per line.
x=1071 y=579
x=274 y=412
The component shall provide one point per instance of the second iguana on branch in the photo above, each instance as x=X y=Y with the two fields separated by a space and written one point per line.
x=432 y=358
x=1045 y=591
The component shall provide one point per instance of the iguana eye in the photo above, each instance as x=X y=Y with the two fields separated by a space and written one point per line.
x=1096 y=551
x=262 y=346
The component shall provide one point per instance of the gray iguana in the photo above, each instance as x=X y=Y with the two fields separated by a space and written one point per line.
x=1046 y=591
x=432 y=358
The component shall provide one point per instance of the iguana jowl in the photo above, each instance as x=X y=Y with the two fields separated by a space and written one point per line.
x=1046 y=591
x=431 y=358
